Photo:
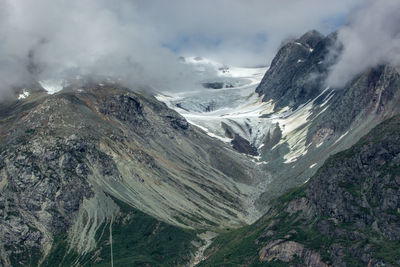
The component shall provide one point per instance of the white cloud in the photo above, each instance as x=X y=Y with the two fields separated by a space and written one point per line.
x=372 y=37
x=130 y=38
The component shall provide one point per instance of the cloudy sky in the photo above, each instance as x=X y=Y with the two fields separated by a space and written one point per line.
x=239 y=32
x=140 y=40
x=370 y=37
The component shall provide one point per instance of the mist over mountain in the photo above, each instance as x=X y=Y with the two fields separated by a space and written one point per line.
x=137 y=44
x=199 y=133
x=370 y=38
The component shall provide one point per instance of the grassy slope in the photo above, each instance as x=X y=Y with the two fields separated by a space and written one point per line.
x=138 y=240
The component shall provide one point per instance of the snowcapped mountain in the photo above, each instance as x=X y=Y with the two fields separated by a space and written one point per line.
x=237 y=112
x=284 y=116
x=92 y=167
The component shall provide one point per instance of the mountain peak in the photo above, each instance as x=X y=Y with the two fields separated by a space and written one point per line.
x=311 y=38
x=296 y=73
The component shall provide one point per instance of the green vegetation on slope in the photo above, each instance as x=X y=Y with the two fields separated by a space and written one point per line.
x=137 y=240
x=348 y=213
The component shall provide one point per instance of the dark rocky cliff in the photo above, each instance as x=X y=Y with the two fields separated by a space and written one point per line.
x=298 y=71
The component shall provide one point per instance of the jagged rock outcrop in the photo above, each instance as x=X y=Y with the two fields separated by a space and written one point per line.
x=287 y=251
x=243 y=146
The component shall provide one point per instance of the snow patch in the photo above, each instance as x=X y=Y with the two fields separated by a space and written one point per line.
x=23 y=95
x=290 y=121
x=223 y=139
x=328 y=97
x=341 y=137
x=52 y=86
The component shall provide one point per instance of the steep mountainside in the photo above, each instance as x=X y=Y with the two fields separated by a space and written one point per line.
x=290 y=121
x=297 y=72
x=348 y=214
x=68 y=159
x=329 y=123
x=312 y=120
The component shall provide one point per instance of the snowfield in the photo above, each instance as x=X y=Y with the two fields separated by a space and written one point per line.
x=241 y=110
x=23 y=95
x=238 y=107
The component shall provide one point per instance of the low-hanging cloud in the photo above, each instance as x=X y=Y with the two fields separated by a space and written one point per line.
x=371 y=38
x=61 y=39
x=139 y=41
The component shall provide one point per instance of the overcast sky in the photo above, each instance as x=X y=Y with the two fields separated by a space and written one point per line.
x=140 y=40
x=239 y=32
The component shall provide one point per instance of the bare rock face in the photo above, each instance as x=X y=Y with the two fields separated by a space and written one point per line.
x=322 y=135
x=297 y=72
x=43 y=189
x=313 y=259
x=282 y=250
x=300 y=205
x=243 y=146
x=286 y=251
x=361 y=186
